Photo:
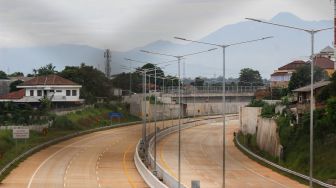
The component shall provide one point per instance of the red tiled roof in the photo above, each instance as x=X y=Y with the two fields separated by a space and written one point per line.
x=324 y=63
x=293 y=65
x=14 y=95
x=48 y=80
x=279 y=74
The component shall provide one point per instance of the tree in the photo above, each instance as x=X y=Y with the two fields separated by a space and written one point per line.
x=199 y=81
x=249 y=77
x=16 y=74
x=328 y=91
x=301 y=77
x=94 y=82
x=13 y=85
x=45 y=70
x=3 y=75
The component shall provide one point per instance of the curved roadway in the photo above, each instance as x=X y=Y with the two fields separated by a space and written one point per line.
x=101 y=159
x=201 y=159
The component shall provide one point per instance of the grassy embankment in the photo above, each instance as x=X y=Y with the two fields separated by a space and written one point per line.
x=295 y=142
x=86 y=119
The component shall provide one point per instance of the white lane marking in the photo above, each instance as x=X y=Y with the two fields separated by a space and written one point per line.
x=100 y=156
x=54 y=154
x=249 y=169
x=68 y=167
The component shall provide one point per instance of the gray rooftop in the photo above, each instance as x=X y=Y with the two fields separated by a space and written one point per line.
x=316 y=85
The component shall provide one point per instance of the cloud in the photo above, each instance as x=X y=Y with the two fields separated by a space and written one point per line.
x=125 y=24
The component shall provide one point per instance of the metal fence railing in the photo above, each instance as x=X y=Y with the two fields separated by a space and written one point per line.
x=163 y=177
x=213 y=89
x=282 y=168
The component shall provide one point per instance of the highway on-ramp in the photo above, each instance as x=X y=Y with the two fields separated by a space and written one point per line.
x=201 y=159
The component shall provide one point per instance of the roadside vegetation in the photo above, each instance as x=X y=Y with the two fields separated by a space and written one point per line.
x=294 y=137
x=89 y=118
x=94 y=85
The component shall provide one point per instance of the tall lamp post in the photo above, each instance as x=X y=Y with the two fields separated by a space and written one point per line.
x=155 y=102
x=223 y=46
x=178 y=57
x=312 y=33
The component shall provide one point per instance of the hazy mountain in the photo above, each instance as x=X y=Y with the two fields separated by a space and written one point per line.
x=265 y=56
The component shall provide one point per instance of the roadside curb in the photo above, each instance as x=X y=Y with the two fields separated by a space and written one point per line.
x=258 y=158
x=11 y=165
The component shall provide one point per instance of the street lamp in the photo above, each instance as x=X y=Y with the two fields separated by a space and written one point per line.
x=178 y=57
x=144 y=119
x=312 y=33
x=155 y=105
x=223 y=46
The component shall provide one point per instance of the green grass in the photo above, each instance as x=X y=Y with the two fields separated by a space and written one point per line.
x=71 y=123
x=297 y=159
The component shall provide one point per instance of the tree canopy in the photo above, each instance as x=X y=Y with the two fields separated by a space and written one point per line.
x=198 y=82
x=302 y=77
x=249 y=77
x=122 y=80
x=13 y=85
x=16 y=74
x=3 y=75
x=94 y=82
x=329 y=91
x=45 y=70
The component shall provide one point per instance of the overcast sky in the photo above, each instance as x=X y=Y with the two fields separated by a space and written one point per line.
x=125 y=24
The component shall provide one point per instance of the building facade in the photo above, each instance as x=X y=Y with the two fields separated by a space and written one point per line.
x=53 y=87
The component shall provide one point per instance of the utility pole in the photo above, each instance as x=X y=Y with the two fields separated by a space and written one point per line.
x=107 y=56
x=335 y=34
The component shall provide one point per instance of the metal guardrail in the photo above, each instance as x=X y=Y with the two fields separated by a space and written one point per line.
x=166 y=177
x=162 y=173
x=282 y=168
x=59 y=139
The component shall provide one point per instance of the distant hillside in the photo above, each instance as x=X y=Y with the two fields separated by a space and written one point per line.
x=264 y=56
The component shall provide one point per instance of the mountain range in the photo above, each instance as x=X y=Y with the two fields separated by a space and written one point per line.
x=265 y=56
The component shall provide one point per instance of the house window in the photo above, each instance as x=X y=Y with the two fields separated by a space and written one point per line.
x=74 y=92
x=58 y=91
x=52 y=91
x=39 y=92
x=68 y=92
x=31 y=93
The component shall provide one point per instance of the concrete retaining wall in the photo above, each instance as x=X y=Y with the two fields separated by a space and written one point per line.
x=248 y=117
x=170 y=110
x=266 y=130
x=268 y=136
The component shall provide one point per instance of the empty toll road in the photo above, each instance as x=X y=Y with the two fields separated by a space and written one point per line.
x=201 y=159
x=101 y=159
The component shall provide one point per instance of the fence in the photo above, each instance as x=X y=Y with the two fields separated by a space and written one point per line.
x=282 y=168
x=167 y=179
x=214 y=89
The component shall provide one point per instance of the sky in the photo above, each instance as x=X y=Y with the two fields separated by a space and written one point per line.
x=122 y=25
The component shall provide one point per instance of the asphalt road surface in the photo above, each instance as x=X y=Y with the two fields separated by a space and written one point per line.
x=201 y=159
x=101 y=159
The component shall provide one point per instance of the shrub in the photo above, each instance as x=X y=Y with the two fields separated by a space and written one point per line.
x=62 y=122
x=6 y=142
x=268 y=111
x=256 y=103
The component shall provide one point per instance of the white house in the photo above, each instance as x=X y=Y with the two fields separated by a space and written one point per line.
x=55 y=88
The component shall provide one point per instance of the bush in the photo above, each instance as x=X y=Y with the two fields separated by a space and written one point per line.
x=285 y=130
x=256 y=103
x=268 y=111
x=6 y=141
x=63 y=122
